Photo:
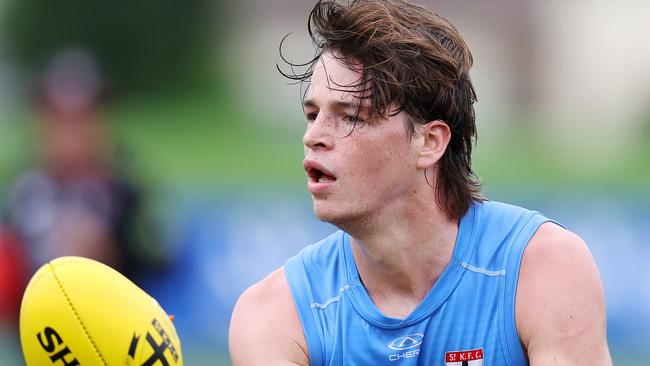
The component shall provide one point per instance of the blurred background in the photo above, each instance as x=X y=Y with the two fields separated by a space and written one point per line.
x=158 y=137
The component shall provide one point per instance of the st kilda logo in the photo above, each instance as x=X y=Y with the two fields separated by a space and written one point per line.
x=52 y=343
x=156 y=344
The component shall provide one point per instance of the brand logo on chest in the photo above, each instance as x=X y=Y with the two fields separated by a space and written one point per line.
x=406 y=347
x=406 y=342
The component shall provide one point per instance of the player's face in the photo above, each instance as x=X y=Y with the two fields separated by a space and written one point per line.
x=353 y=172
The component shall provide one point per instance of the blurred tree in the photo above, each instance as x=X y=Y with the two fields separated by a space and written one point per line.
x=142 y=45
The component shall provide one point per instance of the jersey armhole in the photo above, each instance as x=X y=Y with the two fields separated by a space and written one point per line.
x=296 y=276
x=513 y=257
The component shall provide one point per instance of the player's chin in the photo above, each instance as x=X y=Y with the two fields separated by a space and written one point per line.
x=326 y=210
x=336 y=214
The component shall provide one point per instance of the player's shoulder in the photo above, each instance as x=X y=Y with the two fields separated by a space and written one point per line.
x=559 y=294
x=553 y=244
x=265 y=327
x=268 y=298
x=553 y=258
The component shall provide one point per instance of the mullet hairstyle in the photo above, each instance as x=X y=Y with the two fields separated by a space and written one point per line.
x=412 y=59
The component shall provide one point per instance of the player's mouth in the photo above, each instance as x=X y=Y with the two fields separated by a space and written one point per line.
x=318 y=177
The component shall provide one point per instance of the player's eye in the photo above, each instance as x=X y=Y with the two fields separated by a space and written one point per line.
x=353 y=119
x=311 y=117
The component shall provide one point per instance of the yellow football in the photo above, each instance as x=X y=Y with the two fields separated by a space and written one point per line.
x=76 y=311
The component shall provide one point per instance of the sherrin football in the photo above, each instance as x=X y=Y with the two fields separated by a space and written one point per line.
x=77 y=311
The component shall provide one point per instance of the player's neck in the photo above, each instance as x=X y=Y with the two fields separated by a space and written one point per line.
x=400 y=260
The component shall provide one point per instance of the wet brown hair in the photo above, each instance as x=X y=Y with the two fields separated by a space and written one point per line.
x=411 y=58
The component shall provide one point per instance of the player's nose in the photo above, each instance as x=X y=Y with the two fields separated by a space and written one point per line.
x=319 y=133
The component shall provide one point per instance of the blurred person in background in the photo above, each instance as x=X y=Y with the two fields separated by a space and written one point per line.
x=75 y=200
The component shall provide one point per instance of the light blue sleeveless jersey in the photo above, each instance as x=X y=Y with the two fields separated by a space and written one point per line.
x=468 y=318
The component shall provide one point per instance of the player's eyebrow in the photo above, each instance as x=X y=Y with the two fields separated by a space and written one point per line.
x=308 y=103
x=339 y=104
x=348 y=105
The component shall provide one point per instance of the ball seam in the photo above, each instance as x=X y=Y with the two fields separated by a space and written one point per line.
x=74 y=311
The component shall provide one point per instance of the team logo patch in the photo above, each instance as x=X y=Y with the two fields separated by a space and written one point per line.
x=473 y=357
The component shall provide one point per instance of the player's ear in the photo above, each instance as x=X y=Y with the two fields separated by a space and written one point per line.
x=436 y=136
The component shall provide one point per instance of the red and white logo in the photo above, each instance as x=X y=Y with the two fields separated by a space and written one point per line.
x=473 y=357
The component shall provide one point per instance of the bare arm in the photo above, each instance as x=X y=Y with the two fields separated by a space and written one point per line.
x=560 y=305
x=265 y=328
